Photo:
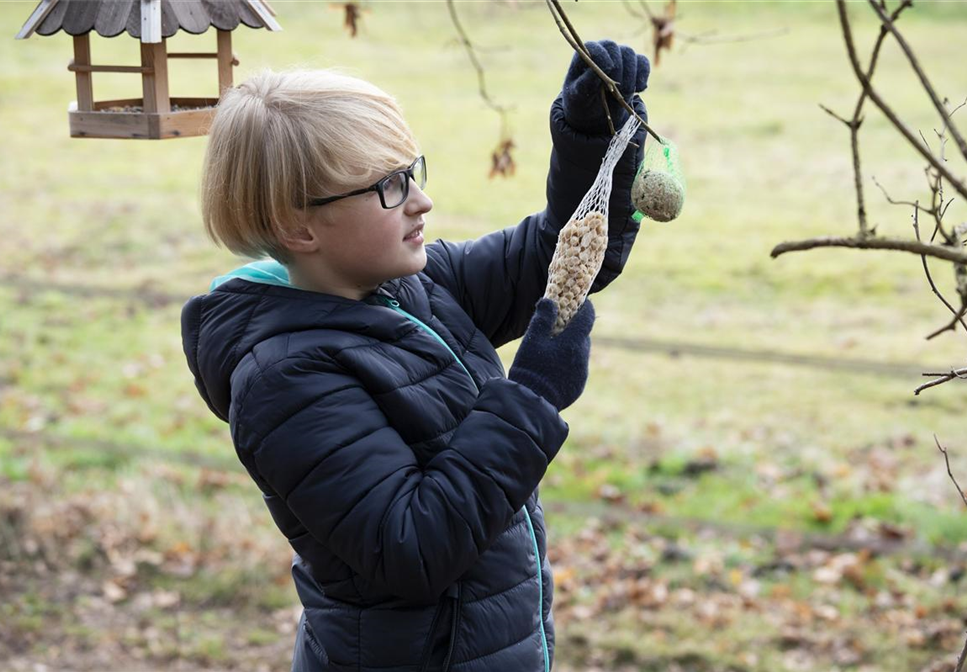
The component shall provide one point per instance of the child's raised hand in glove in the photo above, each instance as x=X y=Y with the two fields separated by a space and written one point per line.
x=581 y=93
x=555 y=367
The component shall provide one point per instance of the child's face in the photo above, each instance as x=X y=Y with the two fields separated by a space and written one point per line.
x=366 y=244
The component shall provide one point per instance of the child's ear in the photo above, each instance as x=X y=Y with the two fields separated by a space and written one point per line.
x=300 y=238
x=300 y=235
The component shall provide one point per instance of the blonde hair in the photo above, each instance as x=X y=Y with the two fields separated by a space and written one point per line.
x=282 y=138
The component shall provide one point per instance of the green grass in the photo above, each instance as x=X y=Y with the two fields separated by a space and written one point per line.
x=764 y=164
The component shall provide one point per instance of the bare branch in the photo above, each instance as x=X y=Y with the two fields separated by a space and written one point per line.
x=854 y=126
x=644 y=5
x=828 y=111
x=481 y=82
x=612 y=87
x=953 y=373
x=872 y=243
x=960 y=661
x=957 y=373
x=915 y=64
x=926 y=269
x=958 y=315
x=631 y=10
x=950 y=473
x=916 y=204
x=886 y=110
x=858 y=119
x=607 y=110
x=709 y=38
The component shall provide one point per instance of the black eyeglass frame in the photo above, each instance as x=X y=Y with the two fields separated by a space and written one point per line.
x=379 y=186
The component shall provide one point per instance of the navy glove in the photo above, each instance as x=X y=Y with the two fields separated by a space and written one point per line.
x=555 y=367
x=581 y=93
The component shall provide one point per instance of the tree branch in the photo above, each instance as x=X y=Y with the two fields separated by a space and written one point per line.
x=610 y=85
x=958 y=185
x=481 y=81
x=915 y=64
x=857 y=121
x=872 y=243
x=941 y=378
x=710 y=38
x=926 y=269
x=950 y=473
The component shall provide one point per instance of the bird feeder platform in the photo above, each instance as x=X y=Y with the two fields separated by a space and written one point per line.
x=155 y=115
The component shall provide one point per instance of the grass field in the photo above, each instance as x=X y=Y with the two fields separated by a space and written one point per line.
x=717 y=512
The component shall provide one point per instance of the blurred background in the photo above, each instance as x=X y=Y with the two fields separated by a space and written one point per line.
x=749 y=483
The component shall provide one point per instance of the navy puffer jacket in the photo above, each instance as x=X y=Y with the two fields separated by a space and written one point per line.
x=391 y=450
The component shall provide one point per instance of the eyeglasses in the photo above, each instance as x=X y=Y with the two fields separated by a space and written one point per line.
x=392 y=189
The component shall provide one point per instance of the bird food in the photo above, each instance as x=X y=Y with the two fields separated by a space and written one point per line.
x=658 y=191
x=577 y=259
x=583 y=241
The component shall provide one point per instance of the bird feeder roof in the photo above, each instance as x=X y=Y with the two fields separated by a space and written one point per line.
x=146 y=20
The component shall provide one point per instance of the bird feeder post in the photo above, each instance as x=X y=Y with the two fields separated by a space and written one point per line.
x=154 y=79
x=85 y=86
x=226 y=60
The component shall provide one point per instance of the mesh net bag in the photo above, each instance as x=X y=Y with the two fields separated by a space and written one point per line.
x=583 y=240
x=658 y=191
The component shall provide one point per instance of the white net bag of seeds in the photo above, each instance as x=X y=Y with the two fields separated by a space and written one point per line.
x=582 y=242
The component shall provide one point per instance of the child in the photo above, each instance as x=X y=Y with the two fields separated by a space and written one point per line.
x=359 y=376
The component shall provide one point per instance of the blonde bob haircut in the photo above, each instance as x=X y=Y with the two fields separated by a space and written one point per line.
x=282 y=138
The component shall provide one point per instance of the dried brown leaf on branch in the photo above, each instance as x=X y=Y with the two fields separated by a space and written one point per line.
x=502 y=162
x=352 y=13
x=664 y=30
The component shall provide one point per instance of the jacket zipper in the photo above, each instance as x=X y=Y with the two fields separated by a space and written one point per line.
x=395 y=305
x=540 y=590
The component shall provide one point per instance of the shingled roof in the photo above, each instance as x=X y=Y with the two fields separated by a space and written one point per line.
x=146 y=20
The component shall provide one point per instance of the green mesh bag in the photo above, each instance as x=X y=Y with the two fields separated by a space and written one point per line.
x=658 y=191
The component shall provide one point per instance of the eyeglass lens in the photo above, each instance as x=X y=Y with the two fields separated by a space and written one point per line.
x=396 y=186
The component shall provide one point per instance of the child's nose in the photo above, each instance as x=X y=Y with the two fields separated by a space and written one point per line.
x=417 y=201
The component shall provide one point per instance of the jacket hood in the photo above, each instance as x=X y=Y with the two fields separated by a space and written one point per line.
x=253 y=303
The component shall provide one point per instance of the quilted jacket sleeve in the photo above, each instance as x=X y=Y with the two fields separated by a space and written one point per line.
x=512 y=263
x=356 y=486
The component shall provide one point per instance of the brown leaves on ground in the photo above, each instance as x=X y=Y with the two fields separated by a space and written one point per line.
x=144 y=576
x=819 y=609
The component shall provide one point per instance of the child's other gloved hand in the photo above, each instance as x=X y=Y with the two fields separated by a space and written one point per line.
x=581 y=93
x=555 y=368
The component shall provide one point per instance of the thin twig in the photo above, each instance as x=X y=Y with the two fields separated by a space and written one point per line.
x=574 y=33
x=950 y=473
x=481 y=81
x=631 y=10
x=915 y=204
x=702 y=39
x=953 y=373
x=857 y=121
x=644 y=5
x=915 y=64
x=558 y=13
x=828 y=111
x=607 y=110
x=926 y=269
x=871 y=243
x=958 y=315
x=941 y=379
x=960 y=661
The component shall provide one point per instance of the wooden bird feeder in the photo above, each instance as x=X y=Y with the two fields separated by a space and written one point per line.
x=155 y=115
